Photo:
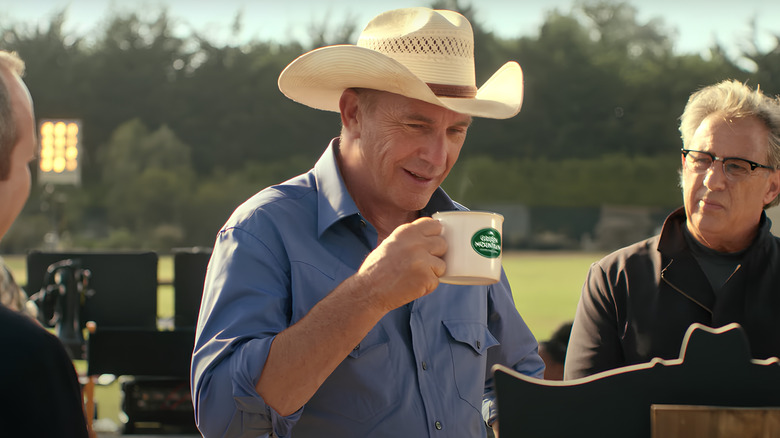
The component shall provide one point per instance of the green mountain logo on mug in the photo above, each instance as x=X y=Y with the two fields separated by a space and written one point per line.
x=487 y=242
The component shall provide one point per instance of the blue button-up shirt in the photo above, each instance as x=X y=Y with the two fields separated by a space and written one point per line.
x=423 y=370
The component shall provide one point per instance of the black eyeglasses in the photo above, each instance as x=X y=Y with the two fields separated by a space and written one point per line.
x=700 y=162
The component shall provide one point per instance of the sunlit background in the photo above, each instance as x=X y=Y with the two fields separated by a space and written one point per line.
x=696 y=24
x=156 y=119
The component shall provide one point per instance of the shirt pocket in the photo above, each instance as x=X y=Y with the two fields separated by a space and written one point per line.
x=363 y=386
x=470 y=341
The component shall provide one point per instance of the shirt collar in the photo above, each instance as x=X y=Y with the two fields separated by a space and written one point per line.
x=335 y=203
x=440 y=201
x=333 y=200
x=672 y=240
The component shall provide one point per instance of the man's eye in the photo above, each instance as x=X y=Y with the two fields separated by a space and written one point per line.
x=737 y=167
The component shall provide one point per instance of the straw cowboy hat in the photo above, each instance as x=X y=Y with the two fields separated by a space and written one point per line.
x=419 y=53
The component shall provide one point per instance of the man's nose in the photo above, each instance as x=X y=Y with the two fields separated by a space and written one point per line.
x=715 y=178
x=435 y=150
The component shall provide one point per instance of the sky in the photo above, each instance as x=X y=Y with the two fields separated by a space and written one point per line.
x=698 y=23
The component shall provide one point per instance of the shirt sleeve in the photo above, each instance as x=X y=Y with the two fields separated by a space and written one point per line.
x=232 y=341
x=517 y=347
x=594 y=345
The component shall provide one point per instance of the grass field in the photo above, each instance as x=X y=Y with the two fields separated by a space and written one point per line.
x=546 y=287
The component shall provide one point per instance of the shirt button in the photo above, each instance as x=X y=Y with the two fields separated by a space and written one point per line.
x=424 y=365
x=362 y=223
x=438 y=425
x=479 y=345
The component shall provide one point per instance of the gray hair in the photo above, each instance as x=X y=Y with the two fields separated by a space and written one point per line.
x=9 y=62
x=733 y=99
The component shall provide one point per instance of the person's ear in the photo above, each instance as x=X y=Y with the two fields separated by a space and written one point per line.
x=348 y=107
x=773 y=187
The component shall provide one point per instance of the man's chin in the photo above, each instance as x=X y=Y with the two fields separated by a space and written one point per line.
x=709 y=212
x=416 y=201
x=706 y=224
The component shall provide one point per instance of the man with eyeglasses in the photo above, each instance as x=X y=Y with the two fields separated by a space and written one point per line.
x=714 y=262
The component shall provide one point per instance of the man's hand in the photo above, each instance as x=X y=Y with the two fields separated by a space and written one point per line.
x=406 y=265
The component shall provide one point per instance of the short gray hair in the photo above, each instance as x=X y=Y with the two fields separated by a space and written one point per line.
x=734 y=99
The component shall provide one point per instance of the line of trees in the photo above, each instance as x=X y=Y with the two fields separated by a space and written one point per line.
x=178 y=131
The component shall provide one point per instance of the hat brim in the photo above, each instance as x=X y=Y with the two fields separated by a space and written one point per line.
x=318 y=78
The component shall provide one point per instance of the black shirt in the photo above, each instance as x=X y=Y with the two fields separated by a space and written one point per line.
x=40 y=395
x=717 y=266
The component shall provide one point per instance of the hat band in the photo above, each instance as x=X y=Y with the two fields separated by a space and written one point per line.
x=444 y=90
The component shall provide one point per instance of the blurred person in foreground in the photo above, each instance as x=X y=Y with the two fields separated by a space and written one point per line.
x=714 y=262
x=322 y=312
x=553 y=352
x=40 y=394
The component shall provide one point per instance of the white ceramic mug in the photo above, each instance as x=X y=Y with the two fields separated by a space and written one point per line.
x=473 y=246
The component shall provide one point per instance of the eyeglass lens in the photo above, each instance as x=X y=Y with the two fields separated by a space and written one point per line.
x=700 y=162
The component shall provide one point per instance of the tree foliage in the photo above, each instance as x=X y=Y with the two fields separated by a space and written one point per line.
x=179 y=130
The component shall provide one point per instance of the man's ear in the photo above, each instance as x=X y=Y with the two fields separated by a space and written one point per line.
x=348 y=107
x=773 y=188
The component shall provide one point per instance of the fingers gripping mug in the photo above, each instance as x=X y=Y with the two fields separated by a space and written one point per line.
x=473 y=246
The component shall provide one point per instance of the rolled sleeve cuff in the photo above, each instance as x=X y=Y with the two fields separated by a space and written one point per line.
x=255 y=413
x=489 y=411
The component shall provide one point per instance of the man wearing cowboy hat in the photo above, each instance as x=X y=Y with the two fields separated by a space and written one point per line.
x=322 y=310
